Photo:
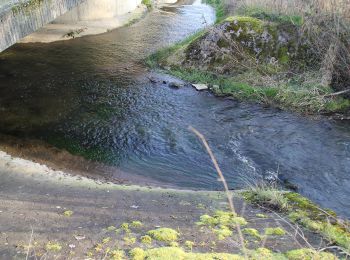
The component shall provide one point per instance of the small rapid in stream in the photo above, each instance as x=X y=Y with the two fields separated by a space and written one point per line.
x=94 y=93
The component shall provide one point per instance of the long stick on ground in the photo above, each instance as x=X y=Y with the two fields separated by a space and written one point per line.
x=222 y=178
x=338 y=93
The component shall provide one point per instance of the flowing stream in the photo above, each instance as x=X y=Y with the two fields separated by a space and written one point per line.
x=92 y=95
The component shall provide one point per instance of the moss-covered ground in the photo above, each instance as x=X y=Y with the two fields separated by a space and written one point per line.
x=301 y=211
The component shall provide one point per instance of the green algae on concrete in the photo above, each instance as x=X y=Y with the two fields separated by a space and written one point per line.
x=53 y=246
x=26 y=6
x=302 y=211
x=278 y=231
x=222 y=218
x=222 y=223
x=309 y=254
x=251 y=232
x=136 y=224
x=164 y=234
x=146 y=240
x=175 y=253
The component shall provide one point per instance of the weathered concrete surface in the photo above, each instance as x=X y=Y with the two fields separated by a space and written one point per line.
x=65 y=29
x=34 y=199
x=20 y=20
x=98 y=9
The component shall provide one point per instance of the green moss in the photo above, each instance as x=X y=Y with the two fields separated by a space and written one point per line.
x=146 y=240
x=206 y=220
x=137 y=254
x=222 y=232
x=27 y=6
x=125 y=226
x=98 y=247
x=268 y=15
x=136 y=224
x=221 y=223
x=106 y=240
x=189 y=244
x=301 y=202
x=275 y=231
x=337 y=105
x=173 y=244
x=246 y=21
x=259 y=215
x=129 y=240
x=200 y=206
x=175 y=253
x=117 y=255
x=269 y=196
x=111 y=228
x=164 y=234
x=264 y=253
x=337 y=234
x=148 y=3
x=283 y=56
x=309 y=254
x=252 y=232
x=238 y=220
x=53 y=246
x=306 y=213
x=221 y=218
x=68 y=213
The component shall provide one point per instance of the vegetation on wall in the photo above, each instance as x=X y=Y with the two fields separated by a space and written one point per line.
x=27 y=6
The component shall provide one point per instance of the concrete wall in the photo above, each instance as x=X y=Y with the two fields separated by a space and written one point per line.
x=15 y=23
x=98 y=9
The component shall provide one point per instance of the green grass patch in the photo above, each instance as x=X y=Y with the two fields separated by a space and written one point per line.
x=252 y=232
x=164 y=234
x=302 y=211
x=175 y=253
x=220 y=10
x=275 y=231
x=304 y=98
x=148 y=3
x=222 y=223
x=269 y=15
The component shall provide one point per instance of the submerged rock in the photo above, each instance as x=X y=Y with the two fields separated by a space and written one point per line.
x=175 y=85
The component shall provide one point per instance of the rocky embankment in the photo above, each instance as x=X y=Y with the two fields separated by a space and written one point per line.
x=272 y=62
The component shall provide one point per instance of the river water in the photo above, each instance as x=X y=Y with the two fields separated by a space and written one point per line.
x=92 y=96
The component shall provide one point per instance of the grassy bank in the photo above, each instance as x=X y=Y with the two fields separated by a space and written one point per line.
x=301 y=211
x=291 y=81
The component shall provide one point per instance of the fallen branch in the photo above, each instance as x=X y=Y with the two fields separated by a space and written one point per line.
x=337 y=93
x=223 y=180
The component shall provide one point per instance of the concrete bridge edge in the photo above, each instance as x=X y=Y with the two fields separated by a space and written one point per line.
x=24 y=18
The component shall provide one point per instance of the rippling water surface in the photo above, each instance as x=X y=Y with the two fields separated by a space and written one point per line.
x=92 y=95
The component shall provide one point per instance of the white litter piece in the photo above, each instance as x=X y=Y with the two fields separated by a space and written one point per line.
x=79 y=237
x=200 y=87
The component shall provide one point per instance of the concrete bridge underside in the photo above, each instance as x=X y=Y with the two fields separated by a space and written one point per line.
x=20 y=18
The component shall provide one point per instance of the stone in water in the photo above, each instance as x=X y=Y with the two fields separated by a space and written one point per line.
x=200 y=87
